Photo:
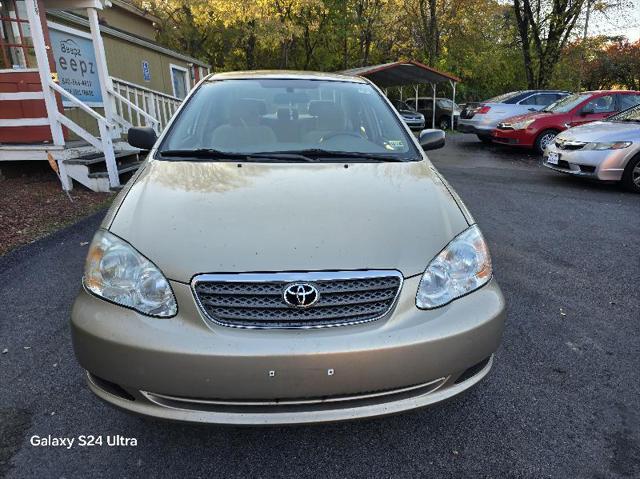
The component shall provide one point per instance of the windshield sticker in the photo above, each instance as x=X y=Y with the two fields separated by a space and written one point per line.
x=396 y=144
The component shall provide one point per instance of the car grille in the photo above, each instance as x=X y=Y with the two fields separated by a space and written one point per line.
x=257 y=300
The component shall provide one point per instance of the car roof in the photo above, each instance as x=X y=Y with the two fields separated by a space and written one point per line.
x=284 y=75
x=596 y=92
x=426 y=98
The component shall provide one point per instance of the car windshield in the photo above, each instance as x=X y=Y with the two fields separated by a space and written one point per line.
x=502 y=98
x=447 y=104
x=567 y=103
x=400 y=105
x=288 y=116
x=631 y=114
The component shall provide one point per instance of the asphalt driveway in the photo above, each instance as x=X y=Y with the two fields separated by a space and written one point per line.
x=563 y=399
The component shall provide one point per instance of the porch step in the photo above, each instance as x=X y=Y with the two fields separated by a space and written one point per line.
x=94 y=158
x=90 y=169
x=123 y=168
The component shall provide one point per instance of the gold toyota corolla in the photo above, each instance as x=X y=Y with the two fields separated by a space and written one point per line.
x=286 y=254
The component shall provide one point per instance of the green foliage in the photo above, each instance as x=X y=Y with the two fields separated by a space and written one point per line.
x=477 y=40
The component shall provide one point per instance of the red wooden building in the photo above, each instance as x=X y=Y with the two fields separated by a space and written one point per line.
x=58 y=99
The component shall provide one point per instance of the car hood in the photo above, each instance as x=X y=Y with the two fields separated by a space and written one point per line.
x=603 y=131
x=527 y=116
x=196 y=217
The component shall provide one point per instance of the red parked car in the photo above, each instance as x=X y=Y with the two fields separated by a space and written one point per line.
x=538 y=129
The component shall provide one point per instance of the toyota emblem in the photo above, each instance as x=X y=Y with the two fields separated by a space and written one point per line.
x=301 y=295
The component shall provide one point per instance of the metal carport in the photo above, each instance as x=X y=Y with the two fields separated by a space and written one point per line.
x=403 y=73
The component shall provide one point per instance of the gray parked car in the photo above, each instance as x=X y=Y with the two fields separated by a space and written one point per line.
x=412 y=118
x=482 y=120
x=607 y=150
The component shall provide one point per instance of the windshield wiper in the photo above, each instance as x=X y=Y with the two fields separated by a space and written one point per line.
x=204 y=153
x=309 y=155
x=317 y=153
x=213 y=154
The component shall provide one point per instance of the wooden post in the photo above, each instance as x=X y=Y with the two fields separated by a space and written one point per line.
x=44 y=69
x=109 y=154
x=106 y=85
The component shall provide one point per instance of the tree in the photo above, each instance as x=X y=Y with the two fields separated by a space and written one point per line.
x=545 y=27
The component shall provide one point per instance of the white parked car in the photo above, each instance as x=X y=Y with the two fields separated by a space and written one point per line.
x=484 y=118
x=607 y=150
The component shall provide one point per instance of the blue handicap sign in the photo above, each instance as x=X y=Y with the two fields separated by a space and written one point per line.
x=146 y=72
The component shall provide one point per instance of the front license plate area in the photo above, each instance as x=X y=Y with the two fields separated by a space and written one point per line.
x=553 y=158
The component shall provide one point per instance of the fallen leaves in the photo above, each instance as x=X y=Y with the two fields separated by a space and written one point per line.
x=34 y=205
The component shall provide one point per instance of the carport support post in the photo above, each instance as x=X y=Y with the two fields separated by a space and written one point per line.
x=416 y=87
x=453 y=101
x=433 y=113
x=400 y=93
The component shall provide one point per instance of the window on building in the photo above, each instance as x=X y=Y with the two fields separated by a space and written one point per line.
x=179 y=78
x=16 y=45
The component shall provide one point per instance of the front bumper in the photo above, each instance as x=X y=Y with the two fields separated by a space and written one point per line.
x=415 y=124
x=513 y=137
x=187 y=368
x=603 y=165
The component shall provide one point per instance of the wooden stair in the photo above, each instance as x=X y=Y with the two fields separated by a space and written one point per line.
x=91 y=169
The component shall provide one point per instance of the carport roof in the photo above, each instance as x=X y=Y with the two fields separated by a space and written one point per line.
x=401 y=73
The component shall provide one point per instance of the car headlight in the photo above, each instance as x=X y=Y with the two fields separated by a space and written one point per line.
x=521 y=125
x=463 y=266
x=613 y=145
x=116 y=272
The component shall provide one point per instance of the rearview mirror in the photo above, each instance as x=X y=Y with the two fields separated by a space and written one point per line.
x=587 y=111
x=143 y=138
x=431 y=139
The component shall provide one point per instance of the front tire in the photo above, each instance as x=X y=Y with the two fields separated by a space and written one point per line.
x=444 y=123
x=631 y=175
x=544 y=139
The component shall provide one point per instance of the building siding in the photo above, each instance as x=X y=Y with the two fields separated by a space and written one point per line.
x=126 y=21
x=124 y=61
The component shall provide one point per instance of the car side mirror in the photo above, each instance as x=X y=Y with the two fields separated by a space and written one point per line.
x=587 y=111
x=431 y=139
x=143 y=138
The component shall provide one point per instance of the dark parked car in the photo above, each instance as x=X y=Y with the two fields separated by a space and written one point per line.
x=411 y=117
x=444 y=106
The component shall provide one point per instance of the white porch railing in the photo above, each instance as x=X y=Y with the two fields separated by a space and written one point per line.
x=125 y=104
x=104 y=143
x=141 y=106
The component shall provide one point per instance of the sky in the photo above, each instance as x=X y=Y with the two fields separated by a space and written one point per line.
x=618 y=22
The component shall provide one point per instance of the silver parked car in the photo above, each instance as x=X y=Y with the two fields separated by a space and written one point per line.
x=484 y=118
x=302 y=267
x=607 y=150
x=411 y=117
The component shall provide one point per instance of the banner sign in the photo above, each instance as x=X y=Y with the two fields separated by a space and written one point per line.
x=76 y=65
